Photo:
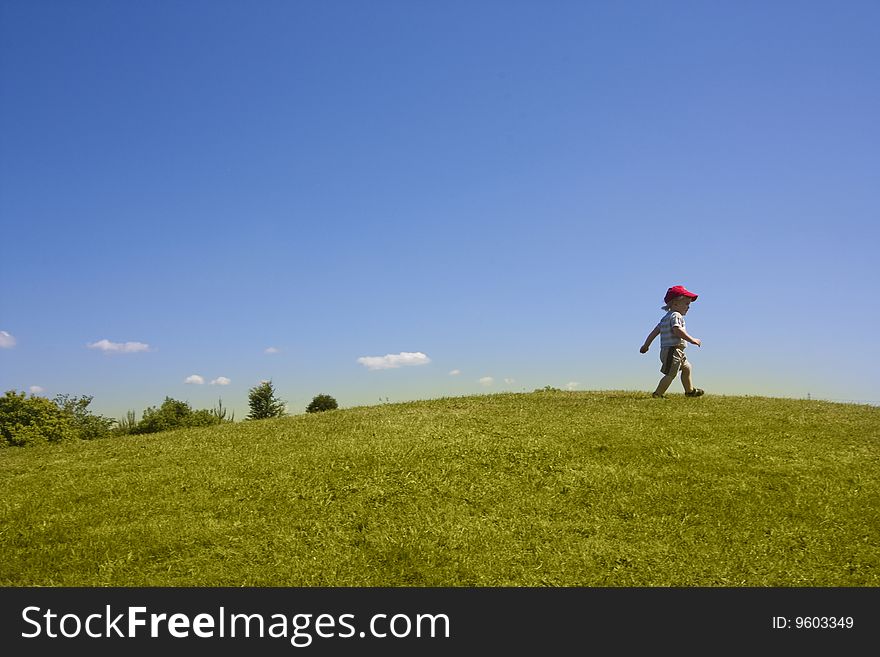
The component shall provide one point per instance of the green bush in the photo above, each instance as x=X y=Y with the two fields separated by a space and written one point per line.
x=264 y=403
x=173 y=414
x=88 y=426
x=322 y=403
x=33 y=420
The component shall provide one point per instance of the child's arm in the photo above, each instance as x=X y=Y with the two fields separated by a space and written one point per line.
x=653 y=334
x=680 y=332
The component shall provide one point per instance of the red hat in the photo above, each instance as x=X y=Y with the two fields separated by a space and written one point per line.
x=678 y=291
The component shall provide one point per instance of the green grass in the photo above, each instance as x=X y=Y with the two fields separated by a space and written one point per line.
x=541 y=489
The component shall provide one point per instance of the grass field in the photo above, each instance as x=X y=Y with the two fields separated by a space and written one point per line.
x=540 y=489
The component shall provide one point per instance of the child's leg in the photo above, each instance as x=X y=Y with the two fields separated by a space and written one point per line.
x=670 y=359
x=686 y=376
x=664 y=384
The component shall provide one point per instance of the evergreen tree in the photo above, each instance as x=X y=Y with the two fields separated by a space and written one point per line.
x=264 y=403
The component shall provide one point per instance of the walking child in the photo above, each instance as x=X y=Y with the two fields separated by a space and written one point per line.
x=673 y=340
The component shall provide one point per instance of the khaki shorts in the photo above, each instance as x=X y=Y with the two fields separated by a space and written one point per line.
x=671 y=360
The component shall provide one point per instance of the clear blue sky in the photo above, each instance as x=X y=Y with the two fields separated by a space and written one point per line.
x=504 y=187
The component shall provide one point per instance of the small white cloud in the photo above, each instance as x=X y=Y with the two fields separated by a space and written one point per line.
x=571 y=385
x=194 y=379
x=272 y=350
x=221 y=381
x=119 y=347
x=509 y=381
x=392 y=361
x=37 y=389
x=455 y=373
x=7 y=341
x=487 y=381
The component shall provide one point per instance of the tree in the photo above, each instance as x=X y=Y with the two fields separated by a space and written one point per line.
x=264 y=403
x=322 y=403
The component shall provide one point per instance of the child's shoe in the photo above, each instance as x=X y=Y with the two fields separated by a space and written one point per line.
x=696 y=392
x=656 y=396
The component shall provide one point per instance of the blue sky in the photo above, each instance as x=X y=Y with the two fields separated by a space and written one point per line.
x=494 y=194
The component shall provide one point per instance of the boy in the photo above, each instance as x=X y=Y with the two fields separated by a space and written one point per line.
x=673 y=337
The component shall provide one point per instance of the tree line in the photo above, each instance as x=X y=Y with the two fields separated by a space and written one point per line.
x=35 y=420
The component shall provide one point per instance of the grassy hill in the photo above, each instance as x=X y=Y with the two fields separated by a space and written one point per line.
x=540 y=489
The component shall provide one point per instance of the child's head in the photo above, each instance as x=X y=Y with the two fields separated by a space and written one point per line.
x=678 y=299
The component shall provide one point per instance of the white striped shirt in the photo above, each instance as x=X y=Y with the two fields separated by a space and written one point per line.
x=667 y=337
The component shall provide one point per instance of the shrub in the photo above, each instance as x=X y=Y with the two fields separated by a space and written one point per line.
x=32 y=420
x=87 y=425
x=173 y=414
x=263 y=402
x=219 y=412
x=126 y=425
x=322 y=403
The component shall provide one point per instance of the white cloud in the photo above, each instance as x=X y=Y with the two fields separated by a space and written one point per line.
x=272 y=350
x=37 y=389
x=487 y=381
x=572 y=385
x=392 y=361
x=119 y=347
x=194 y=378
x=509 y=381
x=7 y=341
x=455 y=373
x=221 y=381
